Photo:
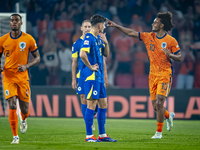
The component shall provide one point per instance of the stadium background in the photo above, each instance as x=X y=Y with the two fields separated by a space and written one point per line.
x=128 y=63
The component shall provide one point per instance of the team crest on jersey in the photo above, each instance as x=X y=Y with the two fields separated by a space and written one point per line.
x=164 y=45
x=7 y=92
x=22 y=45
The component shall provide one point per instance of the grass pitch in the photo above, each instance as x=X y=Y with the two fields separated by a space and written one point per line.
x=67 y=133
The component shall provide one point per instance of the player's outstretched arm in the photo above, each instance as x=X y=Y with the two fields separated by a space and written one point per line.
x=126 y=31
x=104 y=39
x=34 y=61
x=85 y=60
x=105 y=73
x=74 y=69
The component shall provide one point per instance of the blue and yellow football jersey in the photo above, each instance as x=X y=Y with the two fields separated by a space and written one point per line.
x=75 y=54
x=94 y=47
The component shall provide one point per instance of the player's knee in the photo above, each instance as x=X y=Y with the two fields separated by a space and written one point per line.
x=83 y=100
x=12 y=103
x=24 y=109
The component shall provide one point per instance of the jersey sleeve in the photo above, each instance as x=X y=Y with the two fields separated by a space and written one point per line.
x=143 y=36
x=87 y=42
x=1 y=45
x=74 y=51
x=175 y=49
x=33 y=45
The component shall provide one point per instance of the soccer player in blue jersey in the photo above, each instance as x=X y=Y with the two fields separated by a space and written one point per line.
x=77 y=81
x=92 y=53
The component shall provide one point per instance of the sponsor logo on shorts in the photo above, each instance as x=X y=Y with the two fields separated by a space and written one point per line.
x=7 y=92
x=79 y=88
x=95 y=92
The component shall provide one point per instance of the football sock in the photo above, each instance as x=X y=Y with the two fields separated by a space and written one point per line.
x=159 y=127
x=83 y=109
x=166 y=114
x=89 y=116
x=96 y=110
x=102 y=135
x=13 y=121
x=24 y=116
x=101 y=118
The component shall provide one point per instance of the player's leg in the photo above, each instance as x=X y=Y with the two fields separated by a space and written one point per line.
x=24 y=106
x=24 y=98
x=91 y=94
x=101 y=115
x=10 y=92
x=13 y=118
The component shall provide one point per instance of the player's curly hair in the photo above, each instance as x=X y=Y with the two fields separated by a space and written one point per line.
x=166 y=19
x=97 y=19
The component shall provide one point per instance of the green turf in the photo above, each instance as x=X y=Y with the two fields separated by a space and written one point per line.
x=65 y=133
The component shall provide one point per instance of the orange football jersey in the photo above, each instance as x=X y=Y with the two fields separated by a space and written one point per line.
x=16 y=51
x=160 y=63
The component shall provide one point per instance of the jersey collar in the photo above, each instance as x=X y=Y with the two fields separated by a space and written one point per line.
x=93 y=34
x=16 y=37
x=161 y=37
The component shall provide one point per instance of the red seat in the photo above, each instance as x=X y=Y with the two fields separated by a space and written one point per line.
x=141 y=81
x=124 y=80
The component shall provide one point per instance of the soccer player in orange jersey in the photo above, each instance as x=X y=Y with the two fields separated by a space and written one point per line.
x=161 y=48
x=16 y=46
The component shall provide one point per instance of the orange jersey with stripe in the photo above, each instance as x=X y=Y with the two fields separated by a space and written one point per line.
x=160 y=63
x=16 y=51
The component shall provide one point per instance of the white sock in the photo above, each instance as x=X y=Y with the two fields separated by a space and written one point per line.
x=16 y=136
x=89 y=136
x=103 y=135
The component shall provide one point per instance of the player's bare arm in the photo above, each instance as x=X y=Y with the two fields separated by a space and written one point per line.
x=176 y=57
x=84 y=58
x=74 y=69
x=126 y=31
x=104 y=39
x=105 y=73
x=33 y=62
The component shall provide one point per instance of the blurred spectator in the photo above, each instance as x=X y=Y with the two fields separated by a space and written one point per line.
x=64 y=27
x=196 y=29
x=197 y=70
x=44 y=26
x=104 y=11
x=49 y=50
x=39 y=74
x=139 y=59
x=186 y=75
x=123 y=46
x=77 y=33
x=65 y=58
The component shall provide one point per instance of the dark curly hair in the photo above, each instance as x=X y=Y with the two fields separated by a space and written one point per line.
x=166 y=19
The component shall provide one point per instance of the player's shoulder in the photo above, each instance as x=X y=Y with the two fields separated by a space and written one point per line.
x=89 y=35
x=78 y=42
x=4 y=37
x=26 y=35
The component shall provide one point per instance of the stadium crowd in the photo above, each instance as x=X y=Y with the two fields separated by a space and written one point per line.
x=55 y=24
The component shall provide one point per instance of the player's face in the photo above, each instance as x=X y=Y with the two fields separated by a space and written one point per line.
x=102 y=27
x=156 y=25
x=15 y=23
x=86 y=27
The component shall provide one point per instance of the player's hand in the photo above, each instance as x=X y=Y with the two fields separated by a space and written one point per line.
x=167 y=52
x=103 y=37
x=22 y=68
x=106 y=82
x=94 y=67
x=74 y=84
x=110 y=23
x=1 y=68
